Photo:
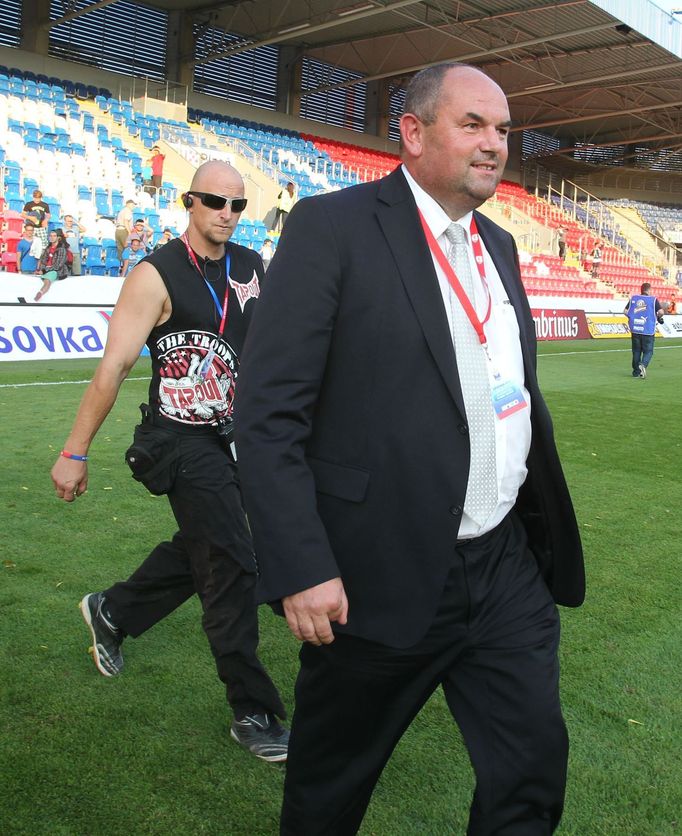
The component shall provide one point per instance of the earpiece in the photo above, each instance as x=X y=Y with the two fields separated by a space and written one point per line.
x=187 y=201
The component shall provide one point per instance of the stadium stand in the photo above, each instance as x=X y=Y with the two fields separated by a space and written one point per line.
x=62 y=137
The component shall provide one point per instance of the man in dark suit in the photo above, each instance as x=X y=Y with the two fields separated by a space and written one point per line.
x=401 y=478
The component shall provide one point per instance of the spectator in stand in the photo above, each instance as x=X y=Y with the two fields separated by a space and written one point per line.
x=166 y=236
x=54 y=262
x=26 y=262
x=561 y=241
x=596 y=261
x=143 y=231
x=157 y=167
x=124 y=226
x=672 y=306
x=38 y=211
x=132 y=254
x=643 y=312
x=147 y=176
x=72 y=232
x=285 y=202
x=266 y=252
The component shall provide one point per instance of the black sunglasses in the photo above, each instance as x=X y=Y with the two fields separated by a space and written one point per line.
x=216 y=201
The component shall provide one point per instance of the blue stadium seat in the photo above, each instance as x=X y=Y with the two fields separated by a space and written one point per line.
x=12 y=177
x=116 y=201
x=103 y=206
x=90 y=241
x=112 y=265
x=93 y=259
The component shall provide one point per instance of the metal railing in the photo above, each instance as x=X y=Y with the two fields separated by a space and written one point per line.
x=600 y=219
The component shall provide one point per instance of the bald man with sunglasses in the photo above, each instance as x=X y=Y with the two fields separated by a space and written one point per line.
x=190 y=303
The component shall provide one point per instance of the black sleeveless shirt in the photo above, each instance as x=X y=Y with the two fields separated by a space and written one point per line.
x=193 y=370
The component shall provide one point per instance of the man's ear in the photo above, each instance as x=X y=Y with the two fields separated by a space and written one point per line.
x=411 y=130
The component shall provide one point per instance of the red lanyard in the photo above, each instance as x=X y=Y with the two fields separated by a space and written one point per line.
x=446 y=267
x=223 y=309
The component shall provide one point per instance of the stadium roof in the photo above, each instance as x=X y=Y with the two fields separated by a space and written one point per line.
x=604 y=76
x=569 y=67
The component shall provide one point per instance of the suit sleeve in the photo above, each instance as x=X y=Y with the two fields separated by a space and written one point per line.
x=279 y=381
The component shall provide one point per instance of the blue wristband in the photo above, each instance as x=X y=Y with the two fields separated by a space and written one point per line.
x=68 y=455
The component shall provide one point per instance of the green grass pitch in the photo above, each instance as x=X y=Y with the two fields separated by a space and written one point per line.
x=149 y=752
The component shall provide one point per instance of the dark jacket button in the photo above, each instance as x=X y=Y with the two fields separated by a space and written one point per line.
x=463 y=428
x=456 y=510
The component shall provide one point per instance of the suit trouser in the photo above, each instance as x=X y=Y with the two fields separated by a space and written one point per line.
x=211 y=555
x=493 y=648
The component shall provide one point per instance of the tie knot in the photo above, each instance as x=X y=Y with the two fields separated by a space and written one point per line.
x=455 y=235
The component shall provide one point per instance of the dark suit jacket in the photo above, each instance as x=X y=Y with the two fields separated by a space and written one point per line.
x=351 y=431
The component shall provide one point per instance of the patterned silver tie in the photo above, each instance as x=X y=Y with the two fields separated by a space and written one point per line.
x=481 y=496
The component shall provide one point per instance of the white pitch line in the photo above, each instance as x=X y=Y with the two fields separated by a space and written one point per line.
x=540 y=354
x=57 y=383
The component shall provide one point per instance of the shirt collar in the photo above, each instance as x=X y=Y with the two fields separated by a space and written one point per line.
x=434 y=214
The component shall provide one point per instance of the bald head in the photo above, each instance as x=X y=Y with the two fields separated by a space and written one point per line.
x=209 y=228
x=218 y=177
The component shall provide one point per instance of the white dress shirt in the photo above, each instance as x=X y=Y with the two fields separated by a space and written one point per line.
x=512 y=434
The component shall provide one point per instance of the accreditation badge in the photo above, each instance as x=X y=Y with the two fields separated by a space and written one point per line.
x=507 y=397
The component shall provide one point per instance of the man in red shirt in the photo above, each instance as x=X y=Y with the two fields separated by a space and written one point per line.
x=157 y=166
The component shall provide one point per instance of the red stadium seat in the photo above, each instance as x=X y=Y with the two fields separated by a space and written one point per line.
x=9 y=262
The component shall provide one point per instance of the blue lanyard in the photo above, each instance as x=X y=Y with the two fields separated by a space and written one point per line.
x=227 y=289
x=222 y=309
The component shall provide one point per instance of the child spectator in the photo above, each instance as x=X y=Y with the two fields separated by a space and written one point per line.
x=26 y=261
x=266 y=252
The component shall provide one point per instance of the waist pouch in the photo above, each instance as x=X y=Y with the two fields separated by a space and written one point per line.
x=153 y=458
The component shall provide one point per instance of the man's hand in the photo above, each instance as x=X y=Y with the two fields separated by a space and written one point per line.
x=70 y=478
x=310 y=612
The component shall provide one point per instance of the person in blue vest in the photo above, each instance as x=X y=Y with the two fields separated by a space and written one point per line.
x=643 y=312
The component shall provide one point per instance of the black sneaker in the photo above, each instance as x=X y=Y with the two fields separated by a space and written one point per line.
x=262 y=735
x=106 y=637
